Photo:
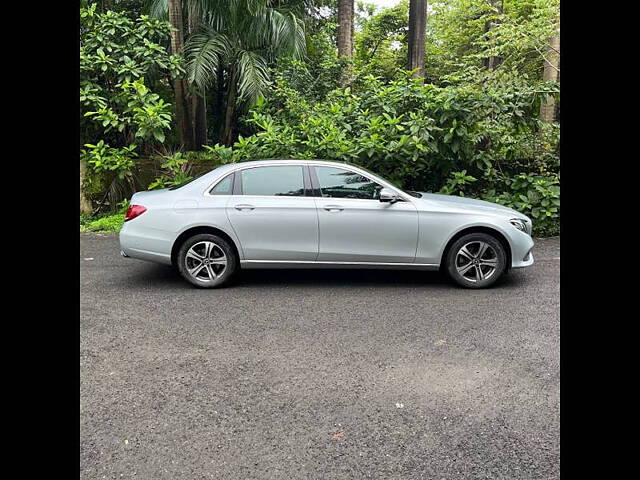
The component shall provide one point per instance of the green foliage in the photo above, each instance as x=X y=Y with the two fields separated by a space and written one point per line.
x=521 y=34
x=466 y=130
x=414 y=134
x=242 y=37
x=117 y=54
x=222 y=155
x=124 y=71
x=460 y=139
x=103 y=158
x=319 y=72
x=111 y=223
x=457 y=183
x=175 y=172
x=534 y=195
x=460 y=40
x=380 y=44
x=149 y=113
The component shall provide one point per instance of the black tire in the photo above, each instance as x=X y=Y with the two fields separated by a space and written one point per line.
x=456 y=261
x=201 y=241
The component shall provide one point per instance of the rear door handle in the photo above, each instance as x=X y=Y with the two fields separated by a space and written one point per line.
x=244 y=207
x=333 y=208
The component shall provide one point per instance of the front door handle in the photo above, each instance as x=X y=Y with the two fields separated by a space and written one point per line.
x=244 y=207
x=333 y=208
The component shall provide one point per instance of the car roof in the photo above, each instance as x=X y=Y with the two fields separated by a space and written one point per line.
x=289 y=161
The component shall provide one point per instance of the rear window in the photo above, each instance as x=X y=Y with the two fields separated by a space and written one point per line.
x=223 y=187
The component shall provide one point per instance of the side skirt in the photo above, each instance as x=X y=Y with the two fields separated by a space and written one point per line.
x=249 y=264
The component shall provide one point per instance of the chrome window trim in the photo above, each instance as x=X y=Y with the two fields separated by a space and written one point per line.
x=267 y=163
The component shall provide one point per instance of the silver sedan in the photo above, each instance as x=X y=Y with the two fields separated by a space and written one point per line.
x=319 y=214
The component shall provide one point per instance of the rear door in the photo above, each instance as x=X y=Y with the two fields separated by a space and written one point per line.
x=271 y=214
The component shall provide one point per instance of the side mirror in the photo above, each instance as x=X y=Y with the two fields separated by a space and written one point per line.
x=388 y=195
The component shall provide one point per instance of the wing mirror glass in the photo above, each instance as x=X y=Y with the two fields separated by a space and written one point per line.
x=388 y=195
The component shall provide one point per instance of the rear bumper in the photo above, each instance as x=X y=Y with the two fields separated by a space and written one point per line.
x=144 y=244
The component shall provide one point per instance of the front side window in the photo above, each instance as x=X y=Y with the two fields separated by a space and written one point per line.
x=273 y=181
x=339 y=183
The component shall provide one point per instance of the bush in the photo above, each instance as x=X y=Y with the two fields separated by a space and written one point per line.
x=106 y=223
x=482 y=140
x=536 y=196
x=124 y=93
x=111 y=223
x=175 y=172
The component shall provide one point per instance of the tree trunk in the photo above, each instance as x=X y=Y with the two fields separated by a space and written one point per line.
x=496 y=8
x=199 y=107
x=417 y=26
x=177 y=43
x=345 y=36
x=197 y=103
x=551 y=74
x=230 y=109
x=345 y=28
x=85 y=203
x=218 y=107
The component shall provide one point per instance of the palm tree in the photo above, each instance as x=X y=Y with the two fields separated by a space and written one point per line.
x=231 y=46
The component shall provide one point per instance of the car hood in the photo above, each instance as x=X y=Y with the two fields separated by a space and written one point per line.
x=452 y=202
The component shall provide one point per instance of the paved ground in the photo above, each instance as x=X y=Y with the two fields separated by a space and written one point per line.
x=317 y=375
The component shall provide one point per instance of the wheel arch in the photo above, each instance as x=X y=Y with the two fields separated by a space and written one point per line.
x=501 y=237
x=198 y=229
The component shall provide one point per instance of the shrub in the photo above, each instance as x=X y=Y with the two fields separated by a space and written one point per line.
x=110 y=176
x=175 y=172
x=480 y=139
x=103 y=158
x=106 y=223
x=536 y=196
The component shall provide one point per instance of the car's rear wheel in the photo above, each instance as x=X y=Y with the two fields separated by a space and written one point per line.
x=207 y=261
x=476 y=260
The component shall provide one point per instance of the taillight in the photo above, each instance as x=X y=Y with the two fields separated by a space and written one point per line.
x=133 y=211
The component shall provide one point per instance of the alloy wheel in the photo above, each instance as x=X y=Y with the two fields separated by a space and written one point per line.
x=205 y=261
x=476 y=261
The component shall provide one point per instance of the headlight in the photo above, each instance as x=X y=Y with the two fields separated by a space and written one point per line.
x=519 y=224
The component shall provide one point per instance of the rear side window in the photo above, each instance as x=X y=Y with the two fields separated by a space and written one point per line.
x=273 y=181
x=223 y=187
x=339 y=183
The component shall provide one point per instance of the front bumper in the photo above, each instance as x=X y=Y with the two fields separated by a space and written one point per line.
x=521 y=250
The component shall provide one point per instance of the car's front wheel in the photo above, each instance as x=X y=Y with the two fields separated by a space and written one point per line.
x=207 y=261
x=476 y=260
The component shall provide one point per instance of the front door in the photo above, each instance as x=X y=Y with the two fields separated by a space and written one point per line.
x=271 y=215
x=356 y=227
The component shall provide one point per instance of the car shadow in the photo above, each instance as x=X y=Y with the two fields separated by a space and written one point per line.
x=151 y=275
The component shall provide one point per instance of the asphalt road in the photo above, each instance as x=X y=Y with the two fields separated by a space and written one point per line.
x=317 y=374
